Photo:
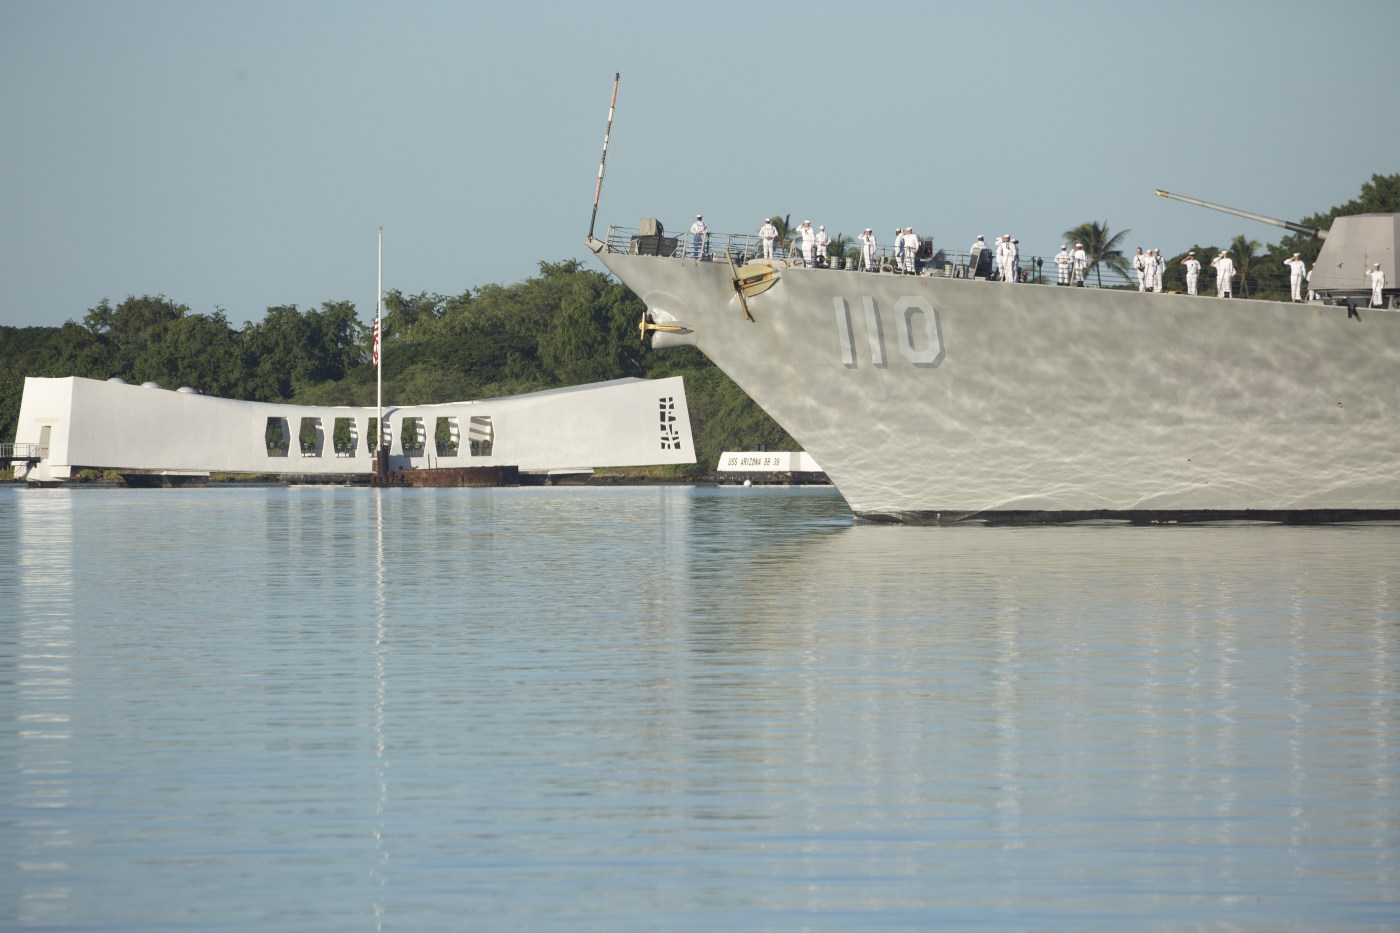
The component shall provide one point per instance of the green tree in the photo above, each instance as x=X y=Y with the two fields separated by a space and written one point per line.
x=1244 y=251
x=11 y=391
x=1101 y=247
x=1380 y=195
x=784 y=224
x=194 y=350
x=839 y=244
x=289 y=350
x=131 y=328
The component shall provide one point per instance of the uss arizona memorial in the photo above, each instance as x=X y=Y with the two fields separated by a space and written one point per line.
x=165 y=437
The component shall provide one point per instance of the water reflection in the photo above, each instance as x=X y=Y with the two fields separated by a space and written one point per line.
x=39 y=651
x=521 y=708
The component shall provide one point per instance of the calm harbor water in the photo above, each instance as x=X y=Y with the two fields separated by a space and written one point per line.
x=685 y=708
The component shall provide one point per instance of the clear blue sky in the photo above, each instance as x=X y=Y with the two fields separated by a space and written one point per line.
x=241 y=155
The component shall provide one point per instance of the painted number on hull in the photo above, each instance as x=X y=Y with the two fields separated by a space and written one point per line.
x=919 y=333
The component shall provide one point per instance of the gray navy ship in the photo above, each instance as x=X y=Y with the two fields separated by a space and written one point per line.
x=941 y=397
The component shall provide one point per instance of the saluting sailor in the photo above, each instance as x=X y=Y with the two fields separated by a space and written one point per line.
x=868 y=247
x=1377 y=278
x=1193 y=272
x=1224 y=271
x=1297 y=271
x=809 y=242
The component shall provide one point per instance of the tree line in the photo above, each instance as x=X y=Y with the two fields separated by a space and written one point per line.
x=568 y=325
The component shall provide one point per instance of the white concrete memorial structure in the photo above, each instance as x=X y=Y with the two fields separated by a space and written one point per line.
x=85 y=423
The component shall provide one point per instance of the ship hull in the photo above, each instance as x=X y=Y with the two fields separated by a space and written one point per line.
x=936 y=399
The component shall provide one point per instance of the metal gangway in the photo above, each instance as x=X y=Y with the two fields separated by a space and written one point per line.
x=10 y=454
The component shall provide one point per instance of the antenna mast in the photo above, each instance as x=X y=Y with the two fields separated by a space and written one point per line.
x=617 y=76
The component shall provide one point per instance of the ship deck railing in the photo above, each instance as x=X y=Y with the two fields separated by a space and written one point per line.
x=1264 y=282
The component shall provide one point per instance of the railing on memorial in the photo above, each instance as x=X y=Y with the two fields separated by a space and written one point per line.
x=12 y=453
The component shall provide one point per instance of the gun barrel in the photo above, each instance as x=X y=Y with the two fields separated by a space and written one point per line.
x=1285 y=224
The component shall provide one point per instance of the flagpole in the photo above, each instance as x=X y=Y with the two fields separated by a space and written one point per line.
x=379 y=352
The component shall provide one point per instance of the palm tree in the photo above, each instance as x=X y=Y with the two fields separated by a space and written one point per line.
x=783 y=223
x=1243 y=249
x=1100 y=247
x=839 y=244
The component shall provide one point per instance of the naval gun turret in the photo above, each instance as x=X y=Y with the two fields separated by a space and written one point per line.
x=1350 y=248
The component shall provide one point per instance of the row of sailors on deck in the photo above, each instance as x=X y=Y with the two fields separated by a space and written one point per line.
x=1149 y=265
x=814 y=245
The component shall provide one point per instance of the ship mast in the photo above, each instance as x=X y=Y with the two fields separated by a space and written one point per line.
x=617 y=76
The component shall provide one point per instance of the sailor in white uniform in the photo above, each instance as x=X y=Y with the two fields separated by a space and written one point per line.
x=1224 y=271
x=911 y=249
x=1159 y=269
x=1081 y=264
x=698 y=232
x=1013 y=259
x=1062 y=262
x=898 y=249
x=1003 y=244
x=974 y=253
x=1193 y=272
x=768 y=233
x=1140 y=267
x=1297 y=272
x=823 y=241
x=868 y=247
x=808 y=239
x=1377 y=278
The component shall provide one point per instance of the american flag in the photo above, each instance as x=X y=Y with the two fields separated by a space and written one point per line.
x=375 y=356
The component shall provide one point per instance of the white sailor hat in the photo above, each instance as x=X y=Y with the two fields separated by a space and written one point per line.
x=821 y=226
x=768 y=220
x=1295 y=254
x=980 y=237
x=1078 y=244
x=697 y=216
x=868 y=230
x=1062 y=246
